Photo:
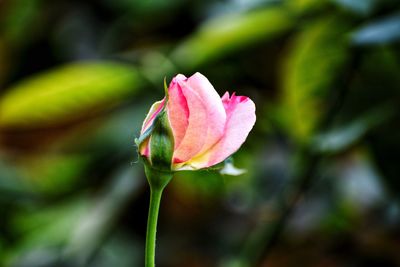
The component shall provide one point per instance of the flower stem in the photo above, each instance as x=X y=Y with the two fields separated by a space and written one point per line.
x=155 y=198
x=158 y=180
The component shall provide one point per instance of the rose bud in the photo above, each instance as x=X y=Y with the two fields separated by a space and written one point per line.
x=193 y=127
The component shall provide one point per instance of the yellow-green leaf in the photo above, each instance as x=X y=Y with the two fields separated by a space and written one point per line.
x=315 y=58
x=66 y=93
x=229 y=33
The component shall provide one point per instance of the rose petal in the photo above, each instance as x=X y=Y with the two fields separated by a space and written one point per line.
x=240 y=111
x=194 y=138
x=216 y=116
x=178 y=110
x=154 y=110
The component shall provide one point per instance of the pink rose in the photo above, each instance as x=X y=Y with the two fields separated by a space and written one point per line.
x=206 y=128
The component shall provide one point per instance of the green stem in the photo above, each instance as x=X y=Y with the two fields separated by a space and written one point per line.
x=158 y=180
x=155 y=198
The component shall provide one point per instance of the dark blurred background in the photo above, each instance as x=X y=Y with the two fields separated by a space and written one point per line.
x=322 y=183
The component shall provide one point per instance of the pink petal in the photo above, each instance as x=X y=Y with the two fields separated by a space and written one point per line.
x=240 y=111
x=216 y=116
x=194 y=138
x=154 y=110
x=178 y=110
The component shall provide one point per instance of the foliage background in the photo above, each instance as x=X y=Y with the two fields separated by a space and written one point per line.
x=322 y=187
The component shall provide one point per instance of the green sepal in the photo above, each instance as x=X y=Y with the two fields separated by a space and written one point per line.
x=161 y=143
x=157 y=179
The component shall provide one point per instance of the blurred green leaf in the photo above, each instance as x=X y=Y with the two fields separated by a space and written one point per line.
x=45 y=227
x=53 y=174
x=309 y=72
x=226 y=34
x=383 y=31
x=67 y=93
